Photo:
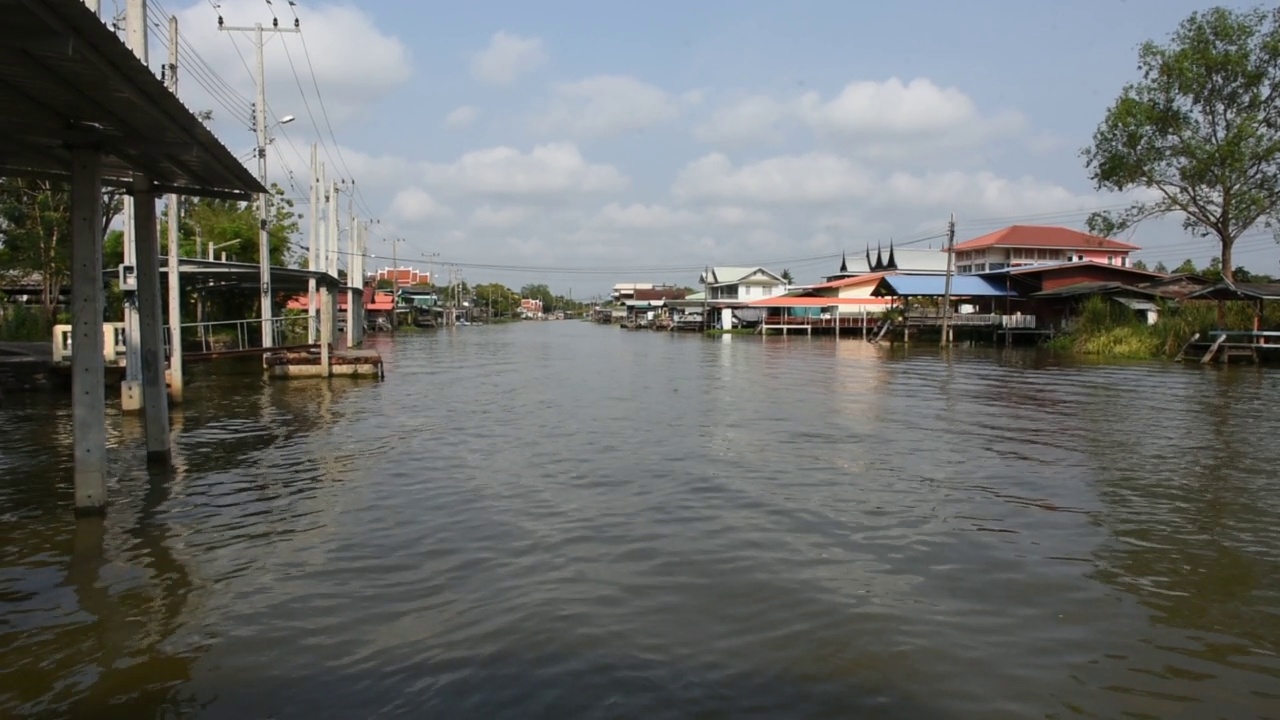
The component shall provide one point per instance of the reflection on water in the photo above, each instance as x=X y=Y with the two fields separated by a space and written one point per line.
x=565 y=520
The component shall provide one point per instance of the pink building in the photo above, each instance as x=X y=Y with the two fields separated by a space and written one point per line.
x=1036 y=244
x=531 y=306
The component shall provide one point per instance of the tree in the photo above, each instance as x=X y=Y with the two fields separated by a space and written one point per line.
x=1160 y=268
x=502 y=299
x=787 y=277
x=539 y=291
x=1188 y=267
x=1201 y=128
x=1139 y=265
x=35 y=232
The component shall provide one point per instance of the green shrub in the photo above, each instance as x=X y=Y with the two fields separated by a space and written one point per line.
x=20 y=323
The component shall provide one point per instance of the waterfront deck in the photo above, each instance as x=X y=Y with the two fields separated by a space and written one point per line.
x=310 y=362
x=1225 y=346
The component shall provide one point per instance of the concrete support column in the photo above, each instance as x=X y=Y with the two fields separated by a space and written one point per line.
x=352 y=313
x=326 y=329
x=88 y=379
x=155 y=398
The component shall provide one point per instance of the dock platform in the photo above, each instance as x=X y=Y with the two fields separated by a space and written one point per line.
x=1225 y=346
x=309 y=363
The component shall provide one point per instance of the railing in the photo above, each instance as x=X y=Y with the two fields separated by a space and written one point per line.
x=220 y=335
x=1011 y=322
x=227 y=335
x=114 y=343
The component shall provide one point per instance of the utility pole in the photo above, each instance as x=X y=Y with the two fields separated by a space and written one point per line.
x=946 y=293
x=260 y=126
x=351 y=265
x=313 y=251
x=175 y=278
x=395 y=283
x=135 y=33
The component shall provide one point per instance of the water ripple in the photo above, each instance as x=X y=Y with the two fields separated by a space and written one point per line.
x=563 y=520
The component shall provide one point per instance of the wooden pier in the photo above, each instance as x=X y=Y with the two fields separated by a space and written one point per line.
x=1226 y=346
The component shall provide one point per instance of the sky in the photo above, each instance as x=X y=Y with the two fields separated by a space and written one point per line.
x=580 y=144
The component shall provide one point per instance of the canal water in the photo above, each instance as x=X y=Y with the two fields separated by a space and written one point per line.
x=563 y=520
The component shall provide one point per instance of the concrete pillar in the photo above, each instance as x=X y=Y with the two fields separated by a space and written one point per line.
x=155 y=398
x=326 y=328
x=352 y=314
x=88 y=379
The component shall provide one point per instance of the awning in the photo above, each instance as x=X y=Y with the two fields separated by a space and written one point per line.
x=67 y=81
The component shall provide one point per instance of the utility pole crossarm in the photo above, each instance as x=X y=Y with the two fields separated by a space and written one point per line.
x=260 y=128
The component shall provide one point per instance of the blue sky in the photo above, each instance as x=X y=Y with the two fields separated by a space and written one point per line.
x=663 y=136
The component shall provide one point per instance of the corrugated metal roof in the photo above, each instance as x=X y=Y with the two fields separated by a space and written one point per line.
x=67 y=80
x=1238 y=291
x=792 y=301
x=935 y=286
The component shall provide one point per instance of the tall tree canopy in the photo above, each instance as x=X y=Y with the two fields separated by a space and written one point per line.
x=35 y=232
x=1201 y=129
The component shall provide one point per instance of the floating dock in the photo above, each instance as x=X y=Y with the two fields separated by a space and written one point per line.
x=311 y=363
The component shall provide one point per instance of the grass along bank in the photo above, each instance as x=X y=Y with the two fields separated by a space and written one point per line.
x=1108 y=329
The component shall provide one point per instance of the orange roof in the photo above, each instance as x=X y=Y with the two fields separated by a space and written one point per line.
x=790 y=301
x=846 y=282
x=1044 y=236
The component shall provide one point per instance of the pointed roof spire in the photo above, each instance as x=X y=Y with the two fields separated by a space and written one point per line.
x=879 y=260
x=892 y=264
x=844 y=263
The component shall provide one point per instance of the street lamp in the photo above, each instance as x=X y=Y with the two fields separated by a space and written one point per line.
x=213 y=247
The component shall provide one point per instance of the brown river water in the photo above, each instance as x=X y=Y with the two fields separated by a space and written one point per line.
x=563 y=520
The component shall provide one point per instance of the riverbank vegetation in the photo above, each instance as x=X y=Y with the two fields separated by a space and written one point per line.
x=1105 y=328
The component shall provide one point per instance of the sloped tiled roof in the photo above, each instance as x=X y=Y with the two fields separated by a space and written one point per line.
x=1044 y=236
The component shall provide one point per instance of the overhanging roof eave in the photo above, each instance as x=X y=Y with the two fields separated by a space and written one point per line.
x=93 y=92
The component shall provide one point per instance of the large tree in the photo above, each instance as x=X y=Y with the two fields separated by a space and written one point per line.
x=35 y=232
x=1201 y=129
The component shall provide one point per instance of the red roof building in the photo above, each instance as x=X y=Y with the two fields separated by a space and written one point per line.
x=404 y=276
x=1036 y=244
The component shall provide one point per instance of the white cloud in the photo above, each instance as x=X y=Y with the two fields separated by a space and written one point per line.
x=733 y=215
x=507 y=57
x=787 y=179
x=462 y=116
x=643 y=217
x=887 y=121
x=889 y=107
x=753 y=119
x=547 y=171
x=487 y=216
x=604 y=106
x=413 y=204
x=823 y=180
x=356 y=64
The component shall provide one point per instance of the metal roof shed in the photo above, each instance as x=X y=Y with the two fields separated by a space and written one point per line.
x=76 y=104
x=935 y=286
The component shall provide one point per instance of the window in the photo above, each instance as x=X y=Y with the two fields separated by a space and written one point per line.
x=1111 y=259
